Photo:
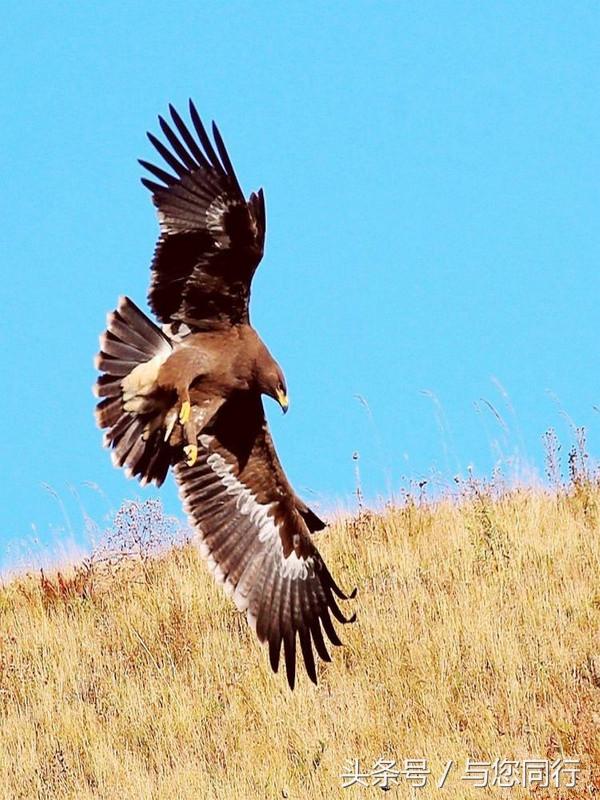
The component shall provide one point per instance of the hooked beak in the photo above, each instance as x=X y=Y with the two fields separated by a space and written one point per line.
x=283 y=400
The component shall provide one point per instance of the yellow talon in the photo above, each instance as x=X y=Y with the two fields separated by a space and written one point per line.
x=191 y=451
x=186 y=410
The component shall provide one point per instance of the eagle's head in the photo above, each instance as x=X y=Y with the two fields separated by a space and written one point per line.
x=271 y=382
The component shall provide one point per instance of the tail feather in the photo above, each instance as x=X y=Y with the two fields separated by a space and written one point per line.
x=108 y=412
x=106 y=386
x=131 y=339
x=117 y=349
x=151 y=339
x=114 y=366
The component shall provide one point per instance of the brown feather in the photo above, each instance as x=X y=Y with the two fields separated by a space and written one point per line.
x=255 y=537
x=200 y=388
x=131 y=339
x=211 y=239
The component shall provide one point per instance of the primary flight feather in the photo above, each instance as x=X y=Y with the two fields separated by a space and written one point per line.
x=189 y=396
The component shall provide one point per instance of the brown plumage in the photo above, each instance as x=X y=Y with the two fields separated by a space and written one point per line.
x=189 y=396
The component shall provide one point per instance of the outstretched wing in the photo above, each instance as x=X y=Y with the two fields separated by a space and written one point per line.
x=211 y=239
x=255 y=537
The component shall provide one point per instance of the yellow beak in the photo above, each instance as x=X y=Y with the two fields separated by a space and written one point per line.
x=283 y=400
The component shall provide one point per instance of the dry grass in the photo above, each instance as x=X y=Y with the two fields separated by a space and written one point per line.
x=477 y=636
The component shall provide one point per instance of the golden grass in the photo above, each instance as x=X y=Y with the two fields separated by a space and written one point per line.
x=477 y=637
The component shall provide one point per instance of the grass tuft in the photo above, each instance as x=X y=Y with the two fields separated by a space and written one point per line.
x=132 y=676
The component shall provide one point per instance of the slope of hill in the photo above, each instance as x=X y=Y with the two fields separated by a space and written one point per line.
x=477 y=638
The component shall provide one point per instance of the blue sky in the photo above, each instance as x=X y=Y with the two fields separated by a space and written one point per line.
x=432 y=176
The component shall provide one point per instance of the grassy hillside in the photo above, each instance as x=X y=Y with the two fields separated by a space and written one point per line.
x=477 y=637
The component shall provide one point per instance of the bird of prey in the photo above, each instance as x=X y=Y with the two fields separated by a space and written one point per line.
x=188 y=395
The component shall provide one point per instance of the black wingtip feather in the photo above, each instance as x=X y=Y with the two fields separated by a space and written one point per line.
x=308 y=655
x=330 y=582
x=335 y=609
x=187 y=137
x=166 y=154
x=274 y=651
x=329 y=629
x=177 y=146
x=205 y=140
x=153 y=187
x=317 y=635
x=159 y=173
x=225 y=157
x=289 y=647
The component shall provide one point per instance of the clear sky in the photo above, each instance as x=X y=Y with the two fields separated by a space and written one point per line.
x=432 y=176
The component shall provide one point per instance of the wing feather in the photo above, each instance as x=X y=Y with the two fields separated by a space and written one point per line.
x=176 y=165
x=253 y=532
x=185 y=157
x=188 y=139
x=225 y=156
x=211 y=238
x=159 y=173
x=205 y=141
x=153 y=187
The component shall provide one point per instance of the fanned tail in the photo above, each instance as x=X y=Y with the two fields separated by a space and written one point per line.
x=131 y=410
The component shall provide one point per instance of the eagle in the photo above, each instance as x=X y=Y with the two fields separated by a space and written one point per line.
x=187 y=394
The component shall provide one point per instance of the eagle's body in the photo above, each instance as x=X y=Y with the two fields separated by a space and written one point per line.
x=203 y=370
x=189 y=396
x=198 y=361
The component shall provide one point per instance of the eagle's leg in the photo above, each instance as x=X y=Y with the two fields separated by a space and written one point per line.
x=191 y=448
x=186 y=418
x=186 y=408
x=191 y=451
